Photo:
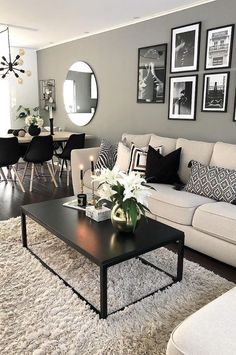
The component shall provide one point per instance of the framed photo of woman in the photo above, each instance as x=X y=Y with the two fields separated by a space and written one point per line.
x=152 y=74
x=183 y=97
x=185 y=46
x=219 y=44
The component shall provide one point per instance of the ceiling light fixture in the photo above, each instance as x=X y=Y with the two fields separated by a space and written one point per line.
x=12 y=66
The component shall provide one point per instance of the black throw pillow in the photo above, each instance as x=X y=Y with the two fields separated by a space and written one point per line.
x=163 y=169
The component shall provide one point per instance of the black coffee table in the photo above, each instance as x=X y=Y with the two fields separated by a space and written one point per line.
x=100 y=243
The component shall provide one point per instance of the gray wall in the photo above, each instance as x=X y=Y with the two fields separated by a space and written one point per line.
x=113 y=57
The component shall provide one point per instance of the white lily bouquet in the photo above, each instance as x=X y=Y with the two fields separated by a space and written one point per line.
x=30 y=118
x=34 y=120
x=128 y=194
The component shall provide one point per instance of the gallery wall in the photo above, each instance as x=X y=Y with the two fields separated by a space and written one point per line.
x=113 y=55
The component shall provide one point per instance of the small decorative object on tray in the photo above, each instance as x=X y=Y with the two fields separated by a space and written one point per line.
x=98 y=214
x=74 y=204
x=128 y=194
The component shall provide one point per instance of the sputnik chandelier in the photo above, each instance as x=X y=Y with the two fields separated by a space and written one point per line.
x=8 y=66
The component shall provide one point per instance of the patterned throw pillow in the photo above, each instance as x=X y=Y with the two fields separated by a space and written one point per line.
x=138 y=158
x=212 y=181
x=107 y=155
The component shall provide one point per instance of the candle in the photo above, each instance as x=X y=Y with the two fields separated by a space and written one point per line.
x=50 y=111
x=92 y=164
x=81 y=172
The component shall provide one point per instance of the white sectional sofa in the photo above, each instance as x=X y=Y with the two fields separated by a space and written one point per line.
x=209 y=331
x=209 y=226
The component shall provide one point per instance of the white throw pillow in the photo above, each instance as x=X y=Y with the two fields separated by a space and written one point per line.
x=123 y=157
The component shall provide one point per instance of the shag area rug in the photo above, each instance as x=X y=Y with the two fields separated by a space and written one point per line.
x=40 y=315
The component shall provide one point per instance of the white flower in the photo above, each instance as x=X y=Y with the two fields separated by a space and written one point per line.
x=141 y=195
x=39 y=121
x=107 y=176
x=105 y=192
x=133 y=186
x=28 y=120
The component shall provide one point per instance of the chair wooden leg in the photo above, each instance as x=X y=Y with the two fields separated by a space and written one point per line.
x=3 y=174
x=16 y=168
x=51 y=173
x=68 y=174
x=24 y=172
x=36 y=171
x=9 y=174
x=18 y=178
x=62 y=166
x=56 y=168
x=53 y=167
x=31 y=177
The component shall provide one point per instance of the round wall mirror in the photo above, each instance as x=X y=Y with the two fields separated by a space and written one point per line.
x=80 y=93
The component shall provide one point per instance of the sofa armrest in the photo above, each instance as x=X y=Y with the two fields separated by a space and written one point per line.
x=81 y=157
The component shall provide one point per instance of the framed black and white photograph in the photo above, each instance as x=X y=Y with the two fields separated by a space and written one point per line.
x=215 y=92
x=185 y=45
x=234 y=115
x=183 y=97
x=219 y=44
x=152 y=74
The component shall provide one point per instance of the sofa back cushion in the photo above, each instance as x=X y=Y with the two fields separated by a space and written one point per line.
x=224 y=155
x=192 y=150
x=140 y=140
x=168 y=144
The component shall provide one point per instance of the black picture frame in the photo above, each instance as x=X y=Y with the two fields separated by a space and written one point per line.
x=183 y=116
x=221 y=48
x=155 y=70
x=216 y=95
x=234 y=114
x=176 y=31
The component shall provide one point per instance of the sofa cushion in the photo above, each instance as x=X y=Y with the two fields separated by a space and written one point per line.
x=193 y=150
x=224 y=155
x=107 y=155
x=217 y=219
x=209 y=331
x=173 y=205
x=140 y=140
x=162 y=169
x=138 y=159
x=213 y=182
x=123 y=157
x=168 y=144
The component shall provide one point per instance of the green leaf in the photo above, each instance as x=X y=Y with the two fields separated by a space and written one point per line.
x=133 y=214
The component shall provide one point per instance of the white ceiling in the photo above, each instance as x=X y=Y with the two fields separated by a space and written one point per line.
x=58 y=21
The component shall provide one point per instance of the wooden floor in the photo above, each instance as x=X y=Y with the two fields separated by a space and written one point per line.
x=11 y=198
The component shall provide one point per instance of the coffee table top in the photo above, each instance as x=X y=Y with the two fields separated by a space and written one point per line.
x=98 y=240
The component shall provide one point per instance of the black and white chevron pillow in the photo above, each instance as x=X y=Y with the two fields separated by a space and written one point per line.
x=107 y=155
x=212 y=181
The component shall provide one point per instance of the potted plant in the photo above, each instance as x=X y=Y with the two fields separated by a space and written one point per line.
x=32 y=120
x=128 y=194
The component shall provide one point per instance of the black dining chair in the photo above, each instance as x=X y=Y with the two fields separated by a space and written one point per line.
x=40 y=151
x=9 y=156
x=76 y=141
x=23 y=146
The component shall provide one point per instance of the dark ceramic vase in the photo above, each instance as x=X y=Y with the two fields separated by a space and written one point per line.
x=34 y=130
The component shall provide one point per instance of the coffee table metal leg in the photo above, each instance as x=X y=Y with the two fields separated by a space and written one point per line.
x=103 y=292
x=23 y=230
x=180 y=259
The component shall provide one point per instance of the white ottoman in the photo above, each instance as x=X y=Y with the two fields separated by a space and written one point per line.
x=209 y=331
